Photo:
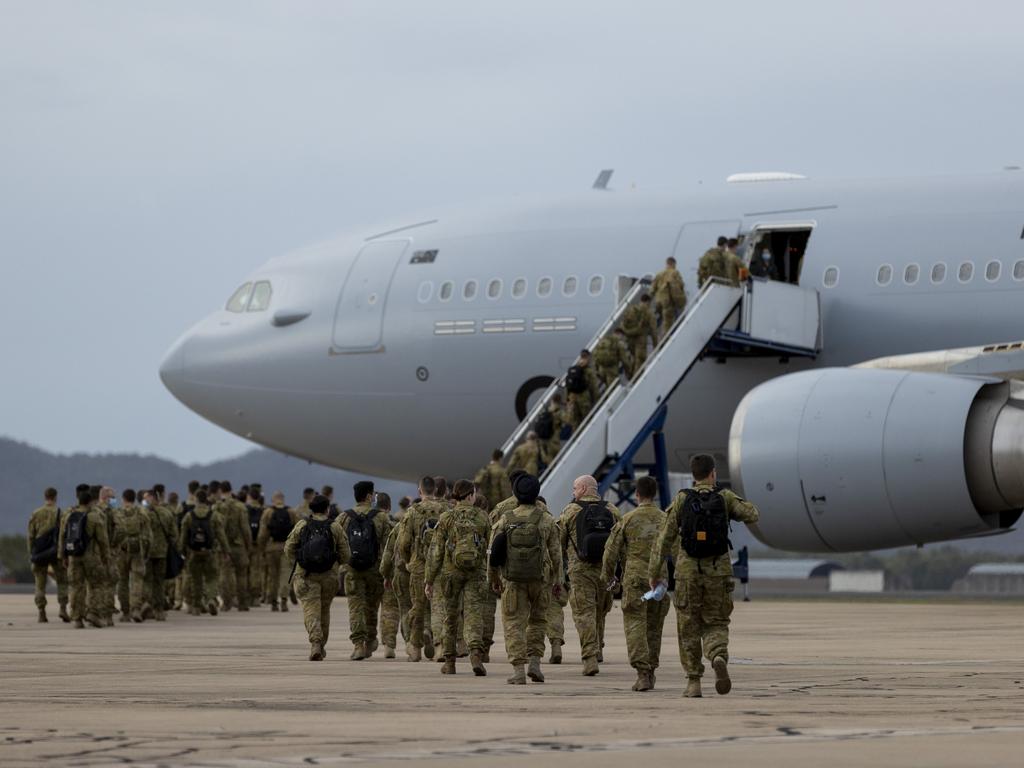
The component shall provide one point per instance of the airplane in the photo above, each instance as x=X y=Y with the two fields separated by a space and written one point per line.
x=417 y=348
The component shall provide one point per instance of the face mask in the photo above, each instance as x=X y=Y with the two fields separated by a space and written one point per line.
x=145 y=502
x=112 y=502
x=766 y=256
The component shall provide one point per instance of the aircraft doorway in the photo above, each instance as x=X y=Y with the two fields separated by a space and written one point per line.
x=786 y=245
x=359 y=317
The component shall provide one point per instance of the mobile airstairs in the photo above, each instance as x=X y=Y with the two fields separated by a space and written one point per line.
x=757 y=319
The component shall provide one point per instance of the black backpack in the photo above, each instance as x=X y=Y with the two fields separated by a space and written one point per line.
x=185 y=509
x=362 y=540
x=544 y=426
x=576 y=380
x=280 y=524
x=76 y=537
x=704 y=523
x=200 y=532
x=44 y=548
x=317 y=552
x=593 y=527
x=255 y=513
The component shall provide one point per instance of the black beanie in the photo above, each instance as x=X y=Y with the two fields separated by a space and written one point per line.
x=362 y=489
x=319 y=504
x=526 y=489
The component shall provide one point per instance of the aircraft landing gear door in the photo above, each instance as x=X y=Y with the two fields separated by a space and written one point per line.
x=695 y=238
x=359 y=317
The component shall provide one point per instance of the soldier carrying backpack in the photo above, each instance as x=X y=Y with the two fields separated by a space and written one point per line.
x=200 y=532
x=276 y=524
x=44 y=551
x=85 y=549
x=366 y=531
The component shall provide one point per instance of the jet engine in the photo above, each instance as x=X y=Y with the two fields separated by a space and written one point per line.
x=848 y=459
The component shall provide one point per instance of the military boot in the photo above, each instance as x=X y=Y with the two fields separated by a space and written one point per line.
x=110 y=621
x=316 y=652
x=590 y=667
x=449 y=666
x=123 y=618
x=160 y=616
x=273 y=606
x=137 y=617
x=358 y=652
x=556 y=652
x=428 y=643
x=284 y=606
x=486 y=656
x=477 y=662
x=64 y=614
x=653 y=677
x=148 y=612
x=42 y=616
x=600 y=657
x=79 y=624
x=518 y=675
x=371 y=646
x=533 y=672
x=722 y=682
x=389 y=652
x=212 y=608
x=692 y=688
x=643 y=681
x=460 y=649
x=414 y=653
x=95 y=622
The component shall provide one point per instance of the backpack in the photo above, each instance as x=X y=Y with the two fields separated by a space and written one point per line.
x=466 y=545
x=255 y=513
x=576 y=380
x=280 y=524
x=317 y=552
x=76 y=537
x=362 y=540
x=185 y=509
x=593 y=526
x=200 y=532
x=544 y=426
x=605 y=353
x=44 y=547
x=130 y=521
x=524 y=550
x=704 y=523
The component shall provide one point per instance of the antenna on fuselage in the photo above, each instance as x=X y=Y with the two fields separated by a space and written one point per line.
x=603 y=178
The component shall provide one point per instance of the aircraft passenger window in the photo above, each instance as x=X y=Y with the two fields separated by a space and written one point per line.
x=966 y=272
x=519 y=288
x=446 y=290
x=239 y=298
x=911 y=273
x=938 y=273
x=544 y=287
x=569 y=286
x=425 y=292
x=494 y=289
x=596 y=285
x=884 y=275
x=260 y=296
x=1018 y=270
x=469 y=290
x=831 y=277
x=992 y=270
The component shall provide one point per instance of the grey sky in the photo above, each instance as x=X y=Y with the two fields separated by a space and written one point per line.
x=152 y=154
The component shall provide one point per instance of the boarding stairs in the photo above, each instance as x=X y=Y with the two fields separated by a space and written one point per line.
x=756 y=319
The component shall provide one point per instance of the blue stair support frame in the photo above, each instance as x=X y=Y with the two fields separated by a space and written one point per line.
x=624 y=465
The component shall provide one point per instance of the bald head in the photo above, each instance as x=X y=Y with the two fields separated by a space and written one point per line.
x=584 y=485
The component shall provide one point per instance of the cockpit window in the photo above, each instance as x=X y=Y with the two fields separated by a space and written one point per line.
x=239 y=298
x=260 y=296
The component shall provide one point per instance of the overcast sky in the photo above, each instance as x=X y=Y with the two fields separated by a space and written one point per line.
x=151 y=154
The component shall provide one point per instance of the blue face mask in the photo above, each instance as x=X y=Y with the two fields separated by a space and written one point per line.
x=112 y=502
x=766 y=256
x=145 y=502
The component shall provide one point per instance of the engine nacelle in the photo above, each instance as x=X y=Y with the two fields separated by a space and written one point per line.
x=847 y=459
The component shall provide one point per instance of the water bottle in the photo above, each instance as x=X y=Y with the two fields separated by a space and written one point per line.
x=657 y=593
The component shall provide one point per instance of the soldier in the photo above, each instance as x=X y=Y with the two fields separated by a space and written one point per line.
x=317 y=547
x=183 y=586
x=556 y=607
x=131 y=544
x=458 y=557
x=630 y=545
x=526 y=456
x=162 y=534
x=548 y=427
x=235 y=564
x=43 y=540
x=733 y=263
x=492 y=481
x=413 y=545
x=303 y=509
x=327 y=492
x=669 y=294
x=582 y=388
x=394 y=605
x=276 y=525
x=524 y=567
x=699 y=521
x=367 y=531
x=639 y=324
x=85 y=549
x=611 y=357
x=103 y=500
x=254 y=511
x=202 y=534
x=584 y=527
x=713 y=263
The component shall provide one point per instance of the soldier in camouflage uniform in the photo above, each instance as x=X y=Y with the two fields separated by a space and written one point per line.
x=364 y=588
x=276 y=524
x=526 y=456
x=163 y=531
x=457 y=566
x=132 y=543
x=417 y=526
x=492 y=480
x=719 y=262
x=704 y=586
x=639 y=324
x=525 y=596
x=611 y=356
x=45 y=524
x=556 y=620
x=182 y=584
x=392 y=605
x=103 y=501
x=550 y=446
x=630 y=545
x=254 y=508
x=201 y=561
x=579 y=403
x=588 y=597
x=235 y=566
x=316 y=591
x=89 y=572
x=669 y=294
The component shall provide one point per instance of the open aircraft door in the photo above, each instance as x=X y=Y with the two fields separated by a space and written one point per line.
x=359 y=316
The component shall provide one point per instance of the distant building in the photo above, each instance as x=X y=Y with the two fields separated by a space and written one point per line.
x=993 y=579
x=798 y=575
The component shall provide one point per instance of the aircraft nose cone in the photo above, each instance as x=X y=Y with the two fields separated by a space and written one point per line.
x=172 y=369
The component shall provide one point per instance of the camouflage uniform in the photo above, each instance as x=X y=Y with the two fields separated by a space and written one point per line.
x=720 y=263
x=524 y=606
x=316 y=591
x=630 y=545
x=413 y=549
x=703 y=597
x=257 y=568
x=275 y=567
x=364 y=589
x=234 y=577
x=88 y=574
x=182 y=584
x=468 y=526
x=733 y=265
x=669 y=296
x=638 y=324
x=108 y=586
x=610 y=355
x=162 y=531
x=589 y=597
x=493 y=483
x=526 y=457
x=395 y=605
x=202 y=563
x=578 y=404
x=549 y=448
x=132 y=544
x=42 y=520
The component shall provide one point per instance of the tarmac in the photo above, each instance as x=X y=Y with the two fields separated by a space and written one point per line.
x=836 y=683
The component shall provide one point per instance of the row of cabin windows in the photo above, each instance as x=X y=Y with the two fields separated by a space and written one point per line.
x=518 y=290
x=964 y=273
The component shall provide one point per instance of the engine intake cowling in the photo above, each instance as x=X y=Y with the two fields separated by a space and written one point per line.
x=848 y=459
